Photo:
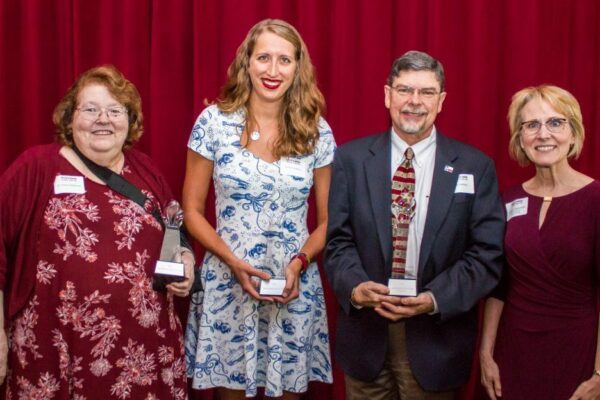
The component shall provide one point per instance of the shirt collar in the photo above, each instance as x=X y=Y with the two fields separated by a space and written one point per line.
x=419 y=148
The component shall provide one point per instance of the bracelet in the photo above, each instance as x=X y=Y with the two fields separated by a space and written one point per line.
x=304 y=259
x=596 y=372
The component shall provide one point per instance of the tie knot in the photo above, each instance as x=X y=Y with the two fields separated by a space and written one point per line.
x=409 y=153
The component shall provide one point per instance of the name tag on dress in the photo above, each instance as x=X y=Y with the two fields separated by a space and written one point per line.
x=69 y=184
x=516 y=208
x=402 y=287
x=465 y=184
x=292 y=166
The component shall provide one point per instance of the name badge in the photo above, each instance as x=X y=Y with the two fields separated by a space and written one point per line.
x=272 y=287
x=402 y=287
x=516 y=208
x=69 y=184
x=292 y=166
x=465 y=184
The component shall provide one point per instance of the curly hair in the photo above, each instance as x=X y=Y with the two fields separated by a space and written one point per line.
x=120 y=88
x=561 y=101
x=303 y=103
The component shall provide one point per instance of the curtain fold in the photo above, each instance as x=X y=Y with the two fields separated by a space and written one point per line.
x=177 y=54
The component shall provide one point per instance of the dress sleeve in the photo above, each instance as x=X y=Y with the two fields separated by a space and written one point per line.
x=325 y=146
x=203 y=136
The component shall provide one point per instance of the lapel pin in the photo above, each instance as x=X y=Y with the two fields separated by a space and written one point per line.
x=448 y=169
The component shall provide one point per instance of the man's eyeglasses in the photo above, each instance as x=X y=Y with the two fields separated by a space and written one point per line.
x=92 y=113
x=553 y=125
x=407 y=91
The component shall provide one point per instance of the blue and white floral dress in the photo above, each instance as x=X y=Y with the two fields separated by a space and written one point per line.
x=233 y=340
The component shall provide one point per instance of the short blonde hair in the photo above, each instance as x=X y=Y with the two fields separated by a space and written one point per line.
x=561 y=101
x=119 y=87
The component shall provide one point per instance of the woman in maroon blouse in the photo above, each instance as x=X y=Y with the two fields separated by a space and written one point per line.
x=76 y=260
x=540 y=332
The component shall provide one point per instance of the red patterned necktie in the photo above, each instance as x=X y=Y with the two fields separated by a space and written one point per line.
x=403 y=210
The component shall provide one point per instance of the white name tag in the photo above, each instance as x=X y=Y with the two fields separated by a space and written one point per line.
x=465 y=184
x=169 y=268
x=516 y=207
x=272 y=287
x=402 y=287
x=69 y=184
x=292 y=166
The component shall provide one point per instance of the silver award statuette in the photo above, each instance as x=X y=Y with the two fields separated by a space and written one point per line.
x=169 y=268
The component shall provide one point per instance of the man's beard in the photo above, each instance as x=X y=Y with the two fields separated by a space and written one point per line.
x=412 y=127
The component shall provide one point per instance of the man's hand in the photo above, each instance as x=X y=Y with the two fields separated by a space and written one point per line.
x=405 y=307
x=372 y=294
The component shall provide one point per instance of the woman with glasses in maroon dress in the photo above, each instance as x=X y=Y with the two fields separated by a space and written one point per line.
x=540 y=331
x=77 y=259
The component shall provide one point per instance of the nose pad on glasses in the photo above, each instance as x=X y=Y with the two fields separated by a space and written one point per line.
x=544 y=132
x=103 y=117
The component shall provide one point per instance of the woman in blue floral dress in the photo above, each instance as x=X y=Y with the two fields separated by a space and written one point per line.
x=264 y=145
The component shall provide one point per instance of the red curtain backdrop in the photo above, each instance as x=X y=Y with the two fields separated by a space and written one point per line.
x=177 y=53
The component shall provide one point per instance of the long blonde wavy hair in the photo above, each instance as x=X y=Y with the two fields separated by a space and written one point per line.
x=303 y=103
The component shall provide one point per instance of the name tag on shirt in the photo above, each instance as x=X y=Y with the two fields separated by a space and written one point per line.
x=69 y=184
x=402 y=287
x=292 y=166
x=516 y=208
x=465 y=184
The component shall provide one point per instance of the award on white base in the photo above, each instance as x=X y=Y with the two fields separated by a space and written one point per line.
x=272 y=287
x=167 y=268
x=402 y=287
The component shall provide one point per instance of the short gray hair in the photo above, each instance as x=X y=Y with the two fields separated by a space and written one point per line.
x=417 y=61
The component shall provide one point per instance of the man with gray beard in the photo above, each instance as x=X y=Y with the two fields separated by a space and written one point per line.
x=414 y=241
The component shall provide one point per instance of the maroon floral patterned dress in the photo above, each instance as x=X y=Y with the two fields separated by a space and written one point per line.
x=93 y=327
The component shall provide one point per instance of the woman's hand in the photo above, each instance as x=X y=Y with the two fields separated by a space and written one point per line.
x=243 y=273
x=292 y=282
x=588 y=390
x=490 y=376
x=183 y=288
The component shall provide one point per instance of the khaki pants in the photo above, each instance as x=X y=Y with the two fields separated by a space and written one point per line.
x=396 y=380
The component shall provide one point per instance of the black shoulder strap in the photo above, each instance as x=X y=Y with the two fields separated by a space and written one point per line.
x=117 y=183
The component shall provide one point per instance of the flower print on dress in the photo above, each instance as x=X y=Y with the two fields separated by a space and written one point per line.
x=68 y=367
x=138 y=368
x=92 y=323
x=46 y=387
x=133 y=217
x=146 y=305
x=22 y=336
x=45 y=272
x=173 y=370
x=64 y=215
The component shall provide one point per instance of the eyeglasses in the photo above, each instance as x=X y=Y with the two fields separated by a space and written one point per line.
x=407 y=91
x=92 y=113
x=553 y=125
